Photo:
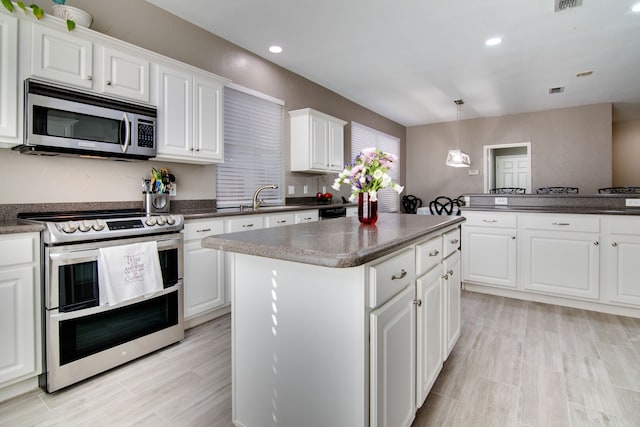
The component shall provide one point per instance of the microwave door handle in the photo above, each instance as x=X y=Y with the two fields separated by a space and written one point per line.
x=127 y=133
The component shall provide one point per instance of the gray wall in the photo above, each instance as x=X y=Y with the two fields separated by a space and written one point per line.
x=626 y=153
x=569 y=147
x=34 y=179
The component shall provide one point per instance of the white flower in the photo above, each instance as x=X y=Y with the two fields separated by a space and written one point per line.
x=386 y=180
x=353 y=197
x=399 y=188
x=373 y=195
x=336 y=184
x=377 y=174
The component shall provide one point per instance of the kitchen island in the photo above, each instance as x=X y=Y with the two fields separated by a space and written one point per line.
x=329 y=325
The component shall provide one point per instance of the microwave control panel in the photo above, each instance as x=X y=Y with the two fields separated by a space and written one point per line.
x=146 y=131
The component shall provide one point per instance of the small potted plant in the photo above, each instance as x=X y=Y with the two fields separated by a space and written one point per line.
x=70 y=14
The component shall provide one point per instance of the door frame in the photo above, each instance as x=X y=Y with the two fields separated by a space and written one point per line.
x=490 y=167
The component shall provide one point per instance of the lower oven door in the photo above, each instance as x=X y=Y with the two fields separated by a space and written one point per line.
x=84 y=338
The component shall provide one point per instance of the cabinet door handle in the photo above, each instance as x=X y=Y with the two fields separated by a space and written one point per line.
x=596 y=243
x=513 y=237
x=89 y=78
x=399 y=276
x=489 y=220
x=450 y=272
x=418 y=302
x=434 y=252
x=614 y=244
x=247 y=225
x=454 y=241
x=204 y=230
x=561 y=223
x=445 y=276
x=108 y=82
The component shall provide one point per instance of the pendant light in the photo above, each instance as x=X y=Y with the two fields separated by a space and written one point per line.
x=457 y=158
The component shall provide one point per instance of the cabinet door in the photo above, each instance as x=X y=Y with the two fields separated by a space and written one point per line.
x=8 y=76
x=18 y=332
x=452 y=302
x=336 y=147
x=125 y=75
x=562 y=263
x=203 y=279
x=392 y=361
x=208 y=127
x=62 y=57
x=489 y=255
x=430 y=328
x=319 y=143
x=175 y=112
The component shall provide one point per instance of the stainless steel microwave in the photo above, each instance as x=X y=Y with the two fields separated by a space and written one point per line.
x=62 y=120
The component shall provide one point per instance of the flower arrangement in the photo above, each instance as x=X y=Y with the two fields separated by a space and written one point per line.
x=368 y=174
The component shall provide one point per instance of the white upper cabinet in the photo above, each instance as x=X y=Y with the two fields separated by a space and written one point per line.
x=317 y=142
x=8 y=79
x=190 y=116
x=77 y=61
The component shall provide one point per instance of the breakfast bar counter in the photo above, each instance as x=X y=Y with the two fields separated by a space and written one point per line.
x=338 y=324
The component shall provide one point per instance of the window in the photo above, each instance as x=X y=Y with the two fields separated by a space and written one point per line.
x=253 y=148
x=364 y=137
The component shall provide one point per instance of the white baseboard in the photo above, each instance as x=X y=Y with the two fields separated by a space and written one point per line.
x=205 y=317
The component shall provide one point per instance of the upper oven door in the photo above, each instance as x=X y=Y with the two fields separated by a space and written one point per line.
x=71 y=271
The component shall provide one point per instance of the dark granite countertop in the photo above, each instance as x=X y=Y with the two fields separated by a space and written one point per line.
x=554 y=209
x=12 y=226
x=339 y=243
x=220 y=212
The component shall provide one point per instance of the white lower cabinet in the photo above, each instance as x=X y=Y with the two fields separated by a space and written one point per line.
x=621 y=255
x=490 y=255
x=278 y=220
x=306 y=216
x=452 y=302
x=204 y=288
x=393 y=357
x=430 y=331
x=20 y=328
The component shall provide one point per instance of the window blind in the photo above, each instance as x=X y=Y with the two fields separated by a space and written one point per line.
x=253 y=149
x=364 y=137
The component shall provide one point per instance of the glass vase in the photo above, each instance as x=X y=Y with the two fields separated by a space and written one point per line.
x=367 y=209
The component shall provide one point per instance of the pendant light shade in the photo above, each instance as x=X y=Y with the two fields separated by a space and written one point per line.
x=457 y=158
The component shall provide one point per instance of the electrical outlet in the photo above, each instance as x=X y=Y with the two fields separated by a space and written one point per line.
x=474 y=172
x=635 y=203
x=305 y=189
x=292 y=189
x=500 y=200
x=324 y=189
x=173 y=191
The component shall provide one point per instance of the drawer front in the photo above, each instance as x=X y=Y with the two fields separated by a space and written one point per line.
x=491 y=219
x=251 y=222
x=306 y=216
x=553 y=222
x=428 y=255
x=200 y=228
x=15 y=249
x=390 y=276
x=450 y=242
x=277 y=220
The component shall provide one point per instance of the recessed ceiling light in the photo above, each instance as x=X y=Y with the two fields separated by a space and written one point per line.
x=493 y=41
x=636 y=7
x=275 y=49
x=585 y=74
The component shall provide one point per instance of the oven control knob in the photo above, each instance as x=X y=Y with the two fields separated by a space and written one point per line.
x=98 y=225
x=150 y=221
x=171 y=220
x=69 y=227
x=84 y=226
x=162 y=220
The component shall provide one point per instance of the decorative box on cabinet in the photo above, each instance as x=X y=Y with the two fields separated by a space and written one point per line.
x=490 y=248
x=317 y=142
x=204 y=288
x=190 y=116
x=20 y=330
x=69 y=58
x=9 y=130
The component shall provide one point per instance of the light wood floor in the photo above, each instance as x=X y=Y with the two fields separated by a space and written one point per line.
x=516 y=364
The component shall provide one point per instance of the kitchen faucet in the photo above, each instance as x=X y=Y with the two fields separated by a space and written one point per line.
x=257 y=202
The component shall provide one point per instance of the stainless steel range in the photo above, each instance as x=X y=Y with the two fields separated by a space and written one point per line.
x=84 y=337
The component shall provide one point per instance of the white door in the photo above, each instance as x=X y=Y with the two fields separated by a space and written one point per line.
x=319 y=143
x=336 y=147
x=175 y=112
x=393 y=357
x=430 y=329
x=8 y=76
x=125 y=75
x=512 y=171
x=452 y=296
x=203 y=279
x=208 y=128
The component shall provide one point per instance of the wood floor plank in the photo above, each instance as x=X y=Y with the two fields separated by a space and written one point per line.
x=542 y=400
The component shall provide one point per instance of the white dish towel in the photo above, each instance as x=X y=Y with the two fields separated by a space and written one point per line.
x=129 y=271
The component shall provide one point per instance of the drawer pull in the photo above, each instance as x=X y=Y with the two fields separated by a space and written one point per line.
x=560 y=223
x=282 y=221
x=489 y=220
x=596 y=243
x=399 y=276
x=247 y=225
x=454 y=241
x=418 y=302
x=307 y=218
x=204 y=230
x=434 y=252
x=614 y=244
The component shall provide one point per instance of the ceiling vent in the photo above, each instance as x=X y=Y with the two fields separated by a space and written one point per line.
x=558 y=89
x=566 y=4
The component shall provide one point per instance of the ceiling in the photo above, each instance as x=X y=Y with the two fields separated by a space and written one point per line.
x=409 y=60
